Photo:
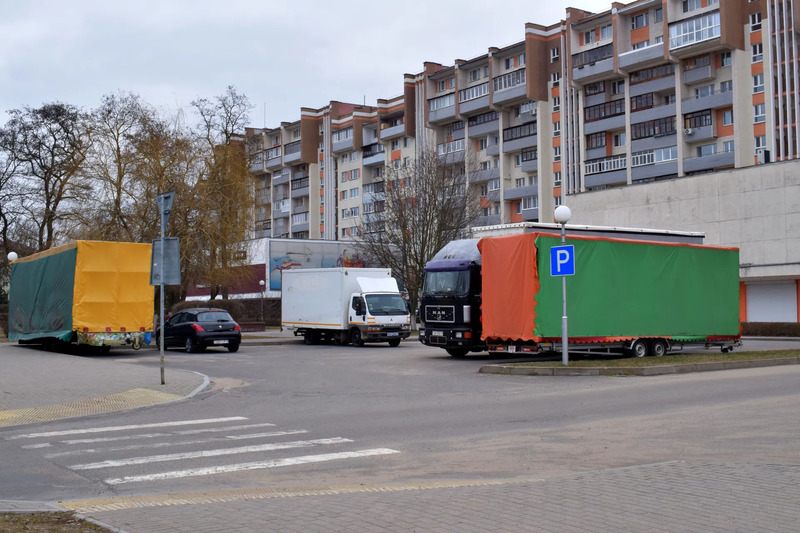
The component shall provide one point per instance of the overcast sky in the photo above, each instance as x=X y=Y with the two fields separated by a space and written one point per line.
x=283 y=55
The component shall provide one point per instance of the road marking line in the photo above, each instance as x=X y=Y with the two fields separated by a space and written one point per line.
x=208 y=453
x=250 y=466
x=124 y=428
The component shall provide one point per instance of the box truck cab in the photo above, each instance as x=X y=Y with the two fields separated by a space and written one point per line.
x=355 y=305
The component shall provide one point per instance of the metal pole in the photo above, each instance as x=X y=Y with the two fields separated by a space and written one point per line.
x=161 y=310
x=564 y=336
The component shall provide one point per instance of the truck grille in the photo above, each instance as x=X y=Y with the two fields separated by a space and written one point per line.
x=439 y=313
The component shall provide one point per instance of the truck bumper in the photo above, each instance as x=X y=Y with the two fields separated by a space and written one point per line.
x=384 y=336
x=458 y=338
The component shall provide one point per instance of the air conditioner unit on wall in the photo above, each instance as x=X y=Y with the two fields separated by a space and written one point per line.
x=688 y=131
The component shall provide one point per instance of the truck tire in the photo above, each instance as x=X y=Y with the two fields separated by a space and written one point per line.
x=356 y=339
x=394 y=343
x=658 y=347
x=457 y=352
x=310 y=337
x=639 y=348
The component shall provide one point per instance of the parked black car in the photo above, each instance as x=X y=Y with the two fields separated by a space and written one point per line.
x=197 y=329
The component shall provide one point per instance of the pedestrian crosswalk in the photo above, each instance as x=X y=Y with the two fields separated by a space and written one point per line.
x=138 y=453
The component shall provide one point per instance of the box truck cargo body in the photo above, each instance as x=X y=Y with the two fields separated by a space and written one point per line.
x=354 y=305
x=88 y=292
x=634 y=296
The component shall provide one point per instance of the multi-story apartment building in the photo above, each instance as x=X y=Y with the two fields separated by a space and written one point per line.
x=645 y=91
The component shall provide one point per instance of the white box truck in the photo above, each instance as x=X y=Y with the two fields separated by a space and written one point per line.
x=355 y=305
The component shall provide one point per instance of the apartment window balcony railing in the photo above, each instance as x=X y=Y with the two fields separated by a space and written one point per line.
x=482 y=118
x=263 y=225
x=511 y=79
x=604 y=110
x=262 y=195
x=284 y=205
x=373 y=188
x=651 y=157
x=342 y=135
x=451 y=147
x=293 y=148
x=653 y=128
x=530 y=155
x=300 y=218
x=692 y=31
x=593 y=55
x=517 y=132
x=441 y=102
x=373 y=149
x=272 y=153
x=300 y=184
x=607 y=164
x=474 y=92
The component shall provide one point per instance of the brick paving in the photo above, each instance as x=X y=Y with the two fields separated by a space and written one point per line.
x=667 y=497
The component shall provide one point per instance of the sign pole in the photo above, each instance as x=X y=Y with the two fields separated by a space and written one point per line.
x=564 y=267
x=564 y=336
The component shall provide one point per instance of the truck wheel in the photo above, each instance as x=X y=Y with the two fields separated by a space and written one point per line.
x=658 y=347
x=639 y=348
x=310 y=337
x=457 y=352
x=355 y=338
x=394 y=342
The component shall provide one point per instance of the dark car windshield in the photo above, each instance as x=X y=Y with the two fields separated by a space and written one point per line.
x=386 y=304
x=449 y=282
x=214 y=316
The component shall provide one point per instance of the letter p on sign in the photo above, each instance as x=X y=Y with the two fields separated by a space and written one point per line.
x=562 y=260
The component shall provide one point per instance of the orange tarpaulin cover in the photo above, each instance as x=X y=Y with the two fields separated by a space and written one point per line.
x=510 y=283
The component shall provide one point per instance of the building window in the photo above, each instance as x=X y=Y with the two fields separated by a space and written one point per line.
x=554 y=54
x=494 y=184
x=557 y=129
x=727 y=117
x=639 y=21
x=354 y=193
x=521 y=59
x=530 y=202
x=642 y=44
x=705 y=90
x=344 y=176
x=594 y=88
x=555 y=77
x=725 y=86
x=619 y=139
x=666 y=154
x=557 y=152
x=725 y=59
x=755 y=21
x=728 y=146
x=761 y=142
x=556 y=103
x=691 y=5
x=589 y=37
x=342 y=195
x=474 y=74
x=556 y=179
x=509 y=63
x=618 y=87
x=758 y=52
x=658 y=15
x=697 y=120
x=606 y=32
x=595 y=140
x=708 y=149
x=758 y=83
x=759 y=113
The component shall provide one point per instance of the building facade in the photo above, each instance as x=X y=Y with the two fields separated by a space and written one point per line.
x=643 y=92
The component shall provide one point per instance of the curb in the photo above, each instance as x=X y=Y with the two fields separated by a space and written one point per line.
x=635 y=371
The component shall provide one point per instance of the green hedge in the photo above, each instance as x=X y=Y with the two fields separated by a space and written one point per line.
x=771 y=329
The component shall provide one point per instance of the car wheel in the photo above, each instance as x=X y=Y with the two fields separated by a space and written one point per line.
x=191 y=345
x=356 y=339
x=233 y=347
x=394 y=342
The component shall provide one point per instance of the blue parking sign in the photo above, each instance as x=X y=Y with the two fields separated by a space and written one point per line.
x=562 y=260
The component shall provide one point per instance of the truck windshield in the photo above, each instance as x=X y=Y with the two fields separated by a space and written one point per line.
x=386 y=304
x=447 y=282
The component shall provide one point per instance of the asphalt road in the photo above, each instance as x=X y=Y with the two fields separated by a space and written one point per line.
x=296 y=416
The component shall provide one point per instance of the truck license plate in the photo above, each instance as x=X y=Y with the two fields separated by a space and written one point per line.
x=392 y=334
x=437 y=333
x=221 y=342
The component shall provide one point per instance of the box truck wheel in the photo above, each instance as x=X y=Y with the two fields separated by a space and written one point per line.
x=658 y=347
x=457 y=352
x=638 y=348
x=310 y=337
x=355 y=337
x=394 y=342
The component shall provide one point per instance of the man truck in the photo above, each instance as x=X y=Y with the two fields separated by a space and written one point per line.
x=355 y=305
x=648 y=293
x=86 y=292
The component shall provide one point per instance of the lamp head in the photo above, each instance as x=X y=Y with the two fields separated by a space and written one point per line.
x=12 y=256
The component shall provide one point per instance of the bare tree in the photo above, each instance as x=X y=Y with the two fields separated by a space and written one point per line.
x=48 y=146
x=424 y=206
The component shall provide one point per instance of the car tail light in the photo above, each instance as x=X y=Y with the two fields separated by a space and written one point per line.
x=197 y=327
x=237 y=328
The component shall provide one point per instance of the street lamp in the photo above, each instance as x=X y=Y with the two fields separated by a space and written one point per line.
x=262 y=283
x=12 y=256
x=562 y=215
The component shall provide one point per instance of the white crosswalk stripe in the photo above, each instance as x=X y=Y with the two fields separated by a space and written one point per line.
x=185 y=457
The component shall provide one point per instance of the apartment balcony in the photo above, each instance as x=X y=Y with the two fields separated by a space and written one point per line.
x=299 y=188
x=257 y=163
x=711 y=101
x=484 y=175
x=642 y=58
x=474 y=99
x=274 y=162
x=651 y=143
x=484 y=128
x=262 y=234
x=664 y=84
x=653 y=113
x=493 y=196
x=596 y=153
x=442 y=108
x=280 y=215
x=263 y=196
x=344 y=145
x=279 y=178
x=300 y=222
x=604 y=124
x=280 y=227
x=508 y=87
x=451 y=152
x=703 y=133
x=392 y=132
x=593 y=64
x=373 y=154
x=516 y=193
x=606 y=171
x=292 y=152
x=690 y=37
x=493 y=149
x=530 y=160
x=709 y=162
x=521 y=143
x=699 y=74
x=487 y=220
x=654 y=171
x=530 y=215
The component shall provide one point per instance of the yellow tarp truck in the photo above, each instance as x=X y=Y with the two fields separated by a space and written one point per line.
x=86 y=292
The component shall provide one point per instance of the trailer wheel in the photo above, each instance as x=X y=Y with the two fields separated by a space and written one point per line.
x=638 y=348
x=356 y=339
x=658 y=347
x=457 y=352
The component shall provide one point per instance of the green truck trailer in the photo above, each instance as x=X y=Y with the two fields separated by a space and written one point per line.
x=86 y=292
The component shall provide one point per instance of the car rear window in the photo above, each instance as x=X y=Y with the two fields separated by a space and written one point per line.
x=214 y=316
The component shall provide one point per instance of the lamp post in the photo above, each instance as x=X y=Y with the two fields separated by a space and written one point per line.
x=262 y=283
x=562 y=215
x=5 y=278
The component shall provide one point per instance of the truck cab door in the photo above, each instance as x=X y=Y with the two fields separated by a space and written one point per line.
x=358 y=310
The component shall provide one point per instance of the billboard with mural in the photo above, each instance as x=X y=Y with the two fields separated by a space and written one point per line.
x=283 y=254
